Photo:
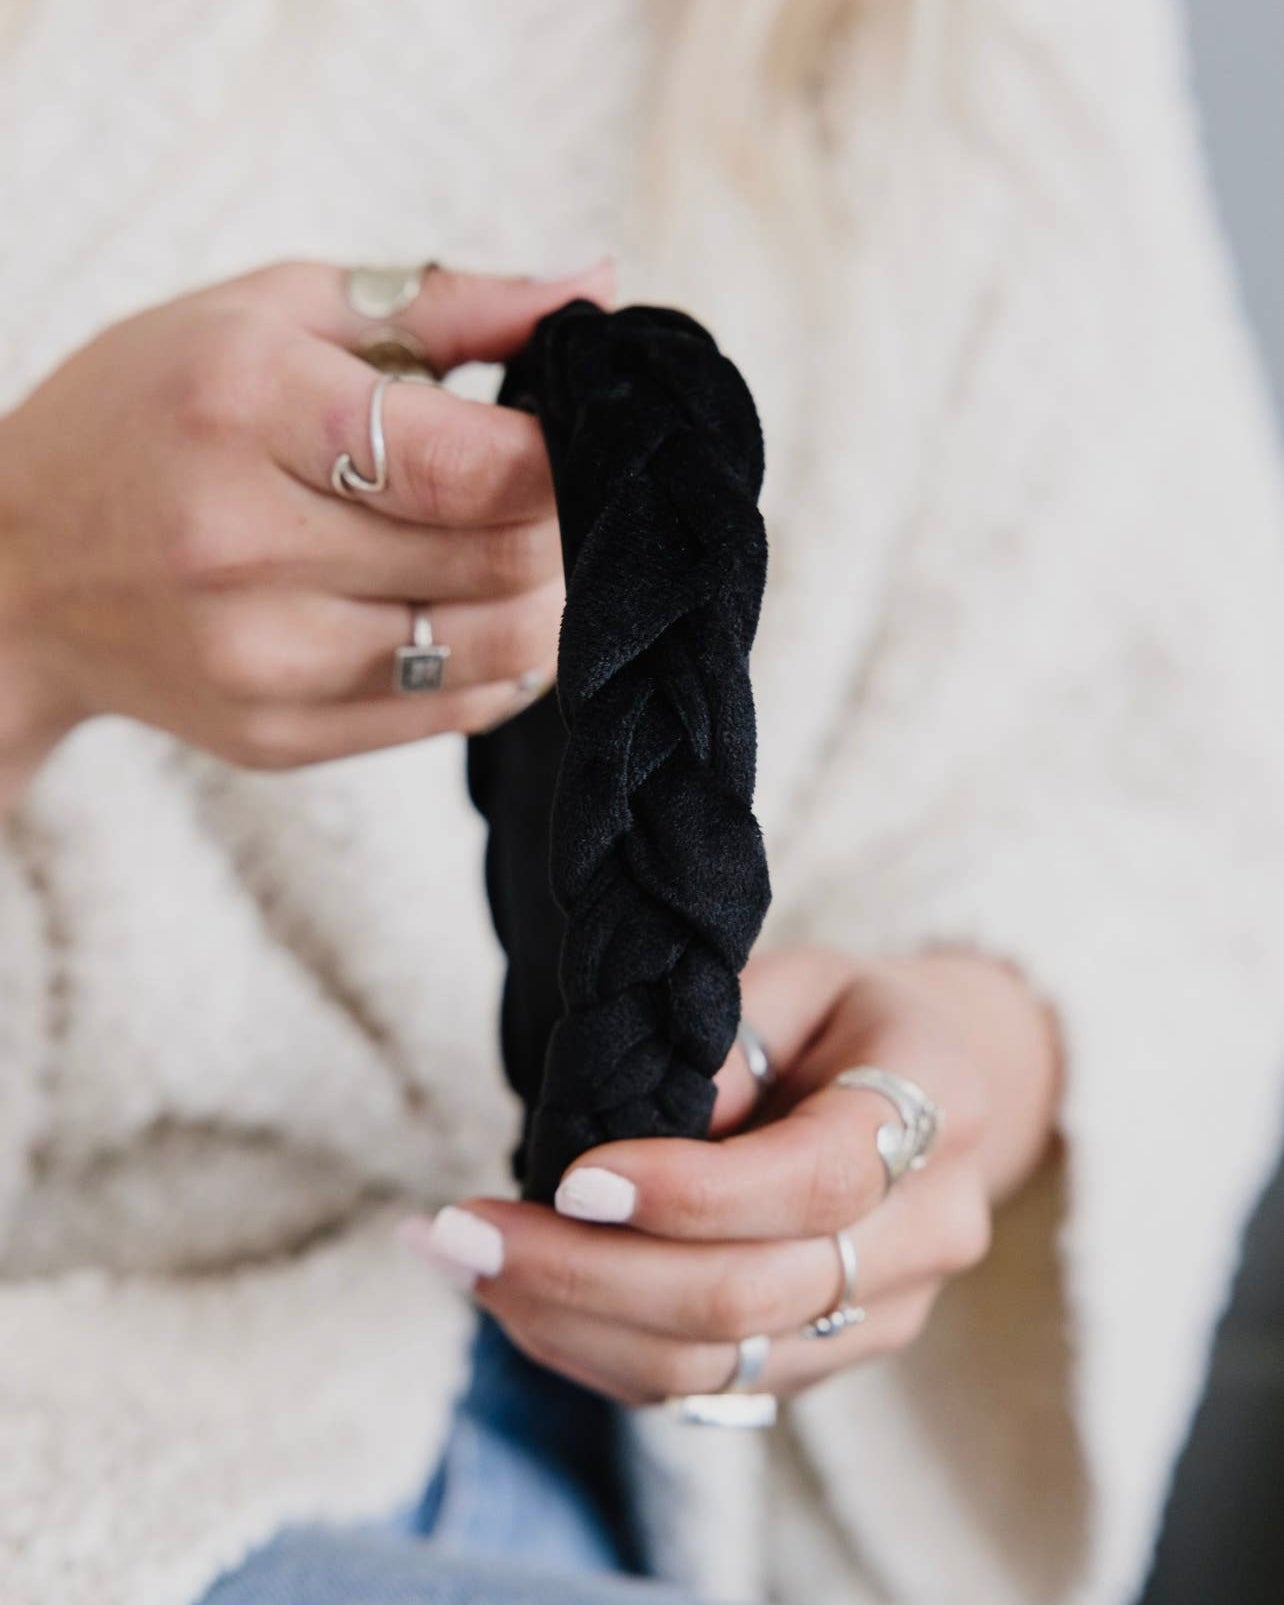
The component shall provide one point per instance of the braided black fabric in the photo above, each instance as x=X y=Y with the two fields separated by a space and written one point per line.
x=635 y=803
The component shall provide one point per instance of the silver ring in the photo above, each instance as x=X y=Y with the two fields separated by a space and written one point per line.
x=752 y=1354
x=904 y=1146
x=748 y=1411
x=381 y=292
x=735 y=1404
x=345 y=478
x=420 y=666
x=845 y=1313
x=756 y=1057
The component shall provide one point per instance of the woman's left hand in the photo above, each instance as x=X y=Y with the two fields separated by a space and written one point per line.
x=663 y=1254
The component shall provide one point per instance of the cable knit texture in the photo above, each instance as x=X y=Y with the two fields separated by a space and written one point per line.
x=1017 y=677
x=641 y=810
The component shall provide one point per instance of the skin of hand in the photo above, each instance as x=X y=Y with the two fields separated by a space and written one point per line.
x=694 y=1246
x=171 y=548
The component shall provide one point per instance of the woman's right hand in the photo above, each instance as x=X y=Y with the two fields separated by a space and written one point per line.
x=171 y=547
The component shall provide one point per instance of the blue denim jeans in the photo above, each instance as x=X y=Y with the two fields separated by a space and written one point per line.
x=529 y=1506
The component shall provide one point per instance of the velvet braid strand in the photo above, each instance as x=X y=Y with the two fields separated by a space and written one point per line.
x=625 y=868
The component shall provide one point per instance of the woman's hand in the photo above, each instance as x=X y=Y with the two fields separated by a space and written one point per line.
x=171 y=547
x=728 y=1240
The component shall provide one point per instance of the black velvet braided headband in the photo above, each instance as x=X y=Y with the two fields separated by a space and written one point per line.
x=625 y=869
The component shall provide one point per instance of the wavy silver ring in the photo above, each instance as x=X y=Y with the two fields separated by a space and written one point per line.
x=345 y=477
x=905 y=1144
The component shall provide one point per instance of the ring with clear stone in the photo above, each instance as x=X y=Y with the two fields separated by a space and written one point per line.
x=845 y=1313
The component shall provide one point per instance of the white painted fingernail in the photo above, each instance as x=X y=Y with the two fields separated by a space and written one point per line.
x=465 y=1243
x=415 y=1233
x=597 y=1195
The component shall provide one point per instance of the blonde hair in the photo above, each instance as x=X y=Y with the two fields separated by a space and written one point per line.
x=738 y=81
x=740 y=91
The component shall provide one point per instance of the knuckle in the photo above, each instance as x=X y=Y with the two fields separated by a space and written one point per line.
x=201 y=549
x=211 y=548
x=242 y=661
x=217 y=391
x=734 y=1308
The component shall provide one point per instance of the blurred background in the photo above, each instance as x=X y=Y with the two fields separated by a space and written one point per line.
x=1223 y=1537
x=1239 y=62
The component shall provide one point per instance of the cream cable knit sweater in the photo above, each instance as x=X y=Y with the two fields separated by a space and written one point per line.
x=1020 y=678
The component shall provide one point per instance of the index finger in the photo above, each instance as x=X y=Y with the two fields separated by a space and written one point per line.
x=454 y=317
x=809 y=1174
x=450 y=461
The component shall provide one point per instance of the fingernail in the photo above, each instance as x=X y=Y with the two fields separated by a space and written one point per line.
x=415 y=1233
x=597 y=1195
x=561 y=276
x=461 y=1244
x=533 y=684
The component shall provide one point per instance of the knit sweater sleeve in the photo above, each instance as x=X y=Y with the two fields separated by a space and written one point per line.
x=23 y=1022
x=1078 y=769
x=1064 y=748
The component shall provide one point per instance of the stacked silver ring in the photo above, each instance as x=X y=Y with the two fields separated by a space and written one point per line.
x=379 y=294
